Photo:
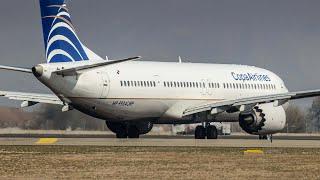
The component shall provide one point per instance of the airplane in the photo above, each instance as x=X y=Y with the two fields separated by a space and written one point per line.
x=131 y=95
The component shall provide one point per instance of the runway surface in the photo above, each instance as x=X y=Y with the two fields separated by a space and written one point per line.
x=111 y=136
x=144 y=142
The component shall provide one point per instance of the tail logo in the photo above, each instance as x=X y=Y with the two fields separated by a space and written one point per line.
x=61 y=41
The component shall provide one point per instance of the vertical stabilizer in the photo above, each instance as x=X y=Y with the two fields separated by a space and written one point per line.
x=61 y=41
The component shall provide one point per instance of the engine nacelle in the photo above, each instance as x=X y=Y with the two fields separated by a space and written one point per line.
x=264 y=119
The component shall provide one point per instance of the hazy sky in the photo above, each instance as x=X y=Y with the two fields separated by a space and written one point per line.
x=280 y=35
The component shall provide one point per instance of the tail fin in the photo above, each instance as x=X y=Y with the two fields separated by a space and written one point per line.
x=61 y=41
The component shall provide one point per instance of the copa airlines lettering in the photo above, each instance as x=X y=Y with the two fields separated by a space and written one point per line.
x=250 y=77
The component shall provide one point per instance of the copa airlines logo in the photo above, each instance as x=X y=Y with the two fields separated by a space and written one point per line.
x=250 y=77
x=62 y=43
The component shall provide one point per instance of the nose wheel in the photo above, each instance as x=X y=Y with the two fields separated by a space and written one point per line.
x=203 y=132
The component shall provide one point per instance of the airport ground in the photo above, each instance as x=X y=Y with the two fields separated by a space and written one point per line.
x=158 y=157
x=108 y=162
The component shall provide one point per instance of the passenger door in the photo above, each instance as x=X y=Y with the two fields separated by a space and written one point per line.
x=105 y=84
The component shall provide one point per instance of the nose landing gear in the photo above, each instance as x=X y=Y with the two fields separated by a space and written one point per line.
x=206 y=130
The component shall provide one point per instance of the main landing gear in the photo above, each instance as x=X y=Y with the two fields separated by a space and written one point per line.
x=266 y=137
x=123 y=130
x=206 y=130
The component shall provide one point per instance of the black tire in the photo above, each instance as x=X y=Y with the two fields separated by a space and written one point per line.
x=263 y=137
x=200 y=132
x=122 y=135
x=119 y=129
x=133 y=132
x=212 y=132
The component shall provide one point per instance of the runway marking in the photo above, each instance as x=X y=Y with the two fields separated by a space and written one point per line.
x=47 y=141
x=253 y=151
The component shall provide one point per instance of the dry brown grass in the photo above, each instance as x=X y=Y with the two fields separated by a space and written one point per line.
x=84 y=162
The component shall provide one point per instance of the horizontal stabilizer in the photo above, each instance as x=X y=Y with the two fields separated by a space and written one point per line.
x=77 y=70
x=19 y=69
x=30 y=98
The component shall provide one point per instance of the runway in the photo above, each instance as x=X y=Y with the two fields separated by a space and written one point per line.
x=152 y=142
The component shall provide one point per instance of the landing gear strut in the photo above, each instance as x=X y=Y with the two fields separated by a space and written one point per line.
x=206 y=130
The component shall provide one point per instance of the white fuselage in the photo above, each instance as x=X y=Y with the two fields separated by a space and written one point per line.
x=156 y=90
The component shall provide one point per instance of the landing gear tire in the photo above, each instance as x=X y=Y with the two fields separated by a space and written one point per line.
x=119 y=129
x=263 y=137
x=212 y=132
x=200 y=132
x=133 y=132
x=121 y=135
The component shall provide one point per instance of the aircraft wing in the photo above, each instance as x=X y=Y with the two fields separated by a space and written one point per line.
x=244 y=104
x=32 y=98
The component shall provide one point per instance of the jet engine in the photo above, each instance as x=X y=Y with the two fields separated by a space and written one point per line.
x=263 y=119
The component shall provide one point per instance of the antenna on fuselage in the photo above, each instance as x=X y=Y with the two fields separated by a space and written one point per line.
x=180 y=60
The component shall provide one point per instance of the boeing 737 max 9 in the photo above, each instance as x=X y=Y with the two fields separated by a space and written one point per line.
x=131 y=96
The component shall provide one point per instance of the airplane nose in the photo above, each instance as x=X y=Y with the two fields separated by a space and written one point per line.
x=37 y=71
